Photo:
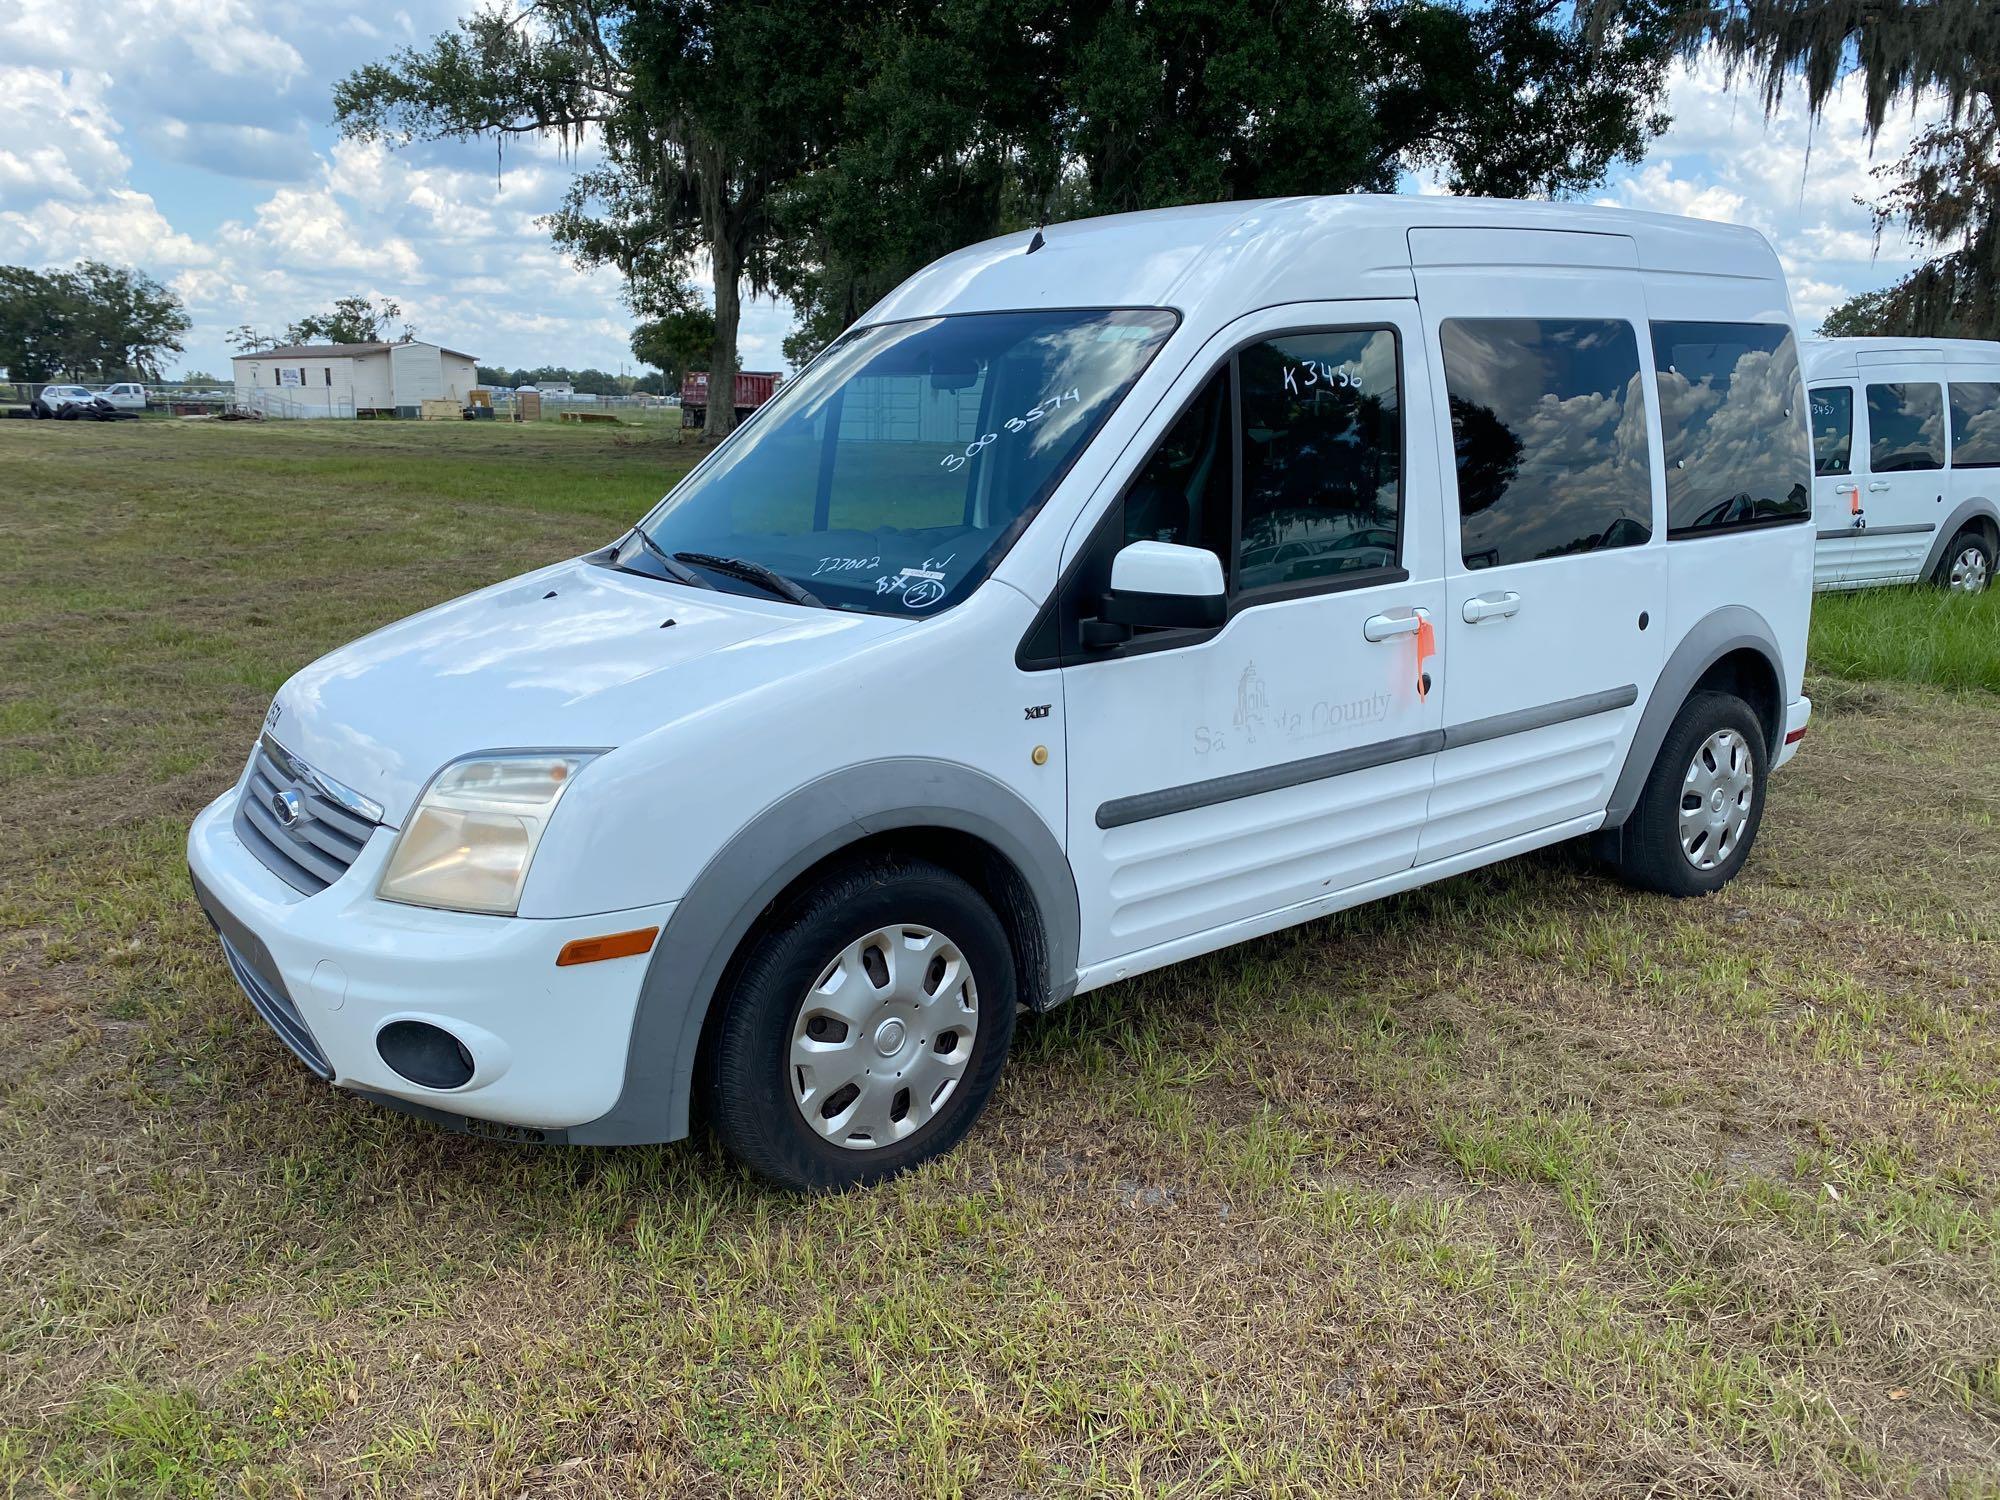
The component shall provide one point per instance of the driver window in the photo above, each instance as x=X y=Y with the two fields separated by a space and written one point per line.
x=1322 y=457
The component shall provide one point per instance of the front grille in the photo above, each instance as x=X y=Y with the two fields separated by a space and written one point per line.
x=329 y=826
x=276 y=1007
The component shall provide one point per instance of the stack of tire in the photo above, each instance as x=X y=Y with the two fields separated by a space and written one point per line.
x=97 y=410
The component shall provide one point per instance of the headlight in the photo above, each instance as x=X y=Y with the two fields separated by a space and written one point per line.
x=468 y=845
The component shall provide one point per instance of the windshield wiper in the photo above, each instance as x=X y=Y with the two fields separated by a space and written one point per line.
x=678 y=571
x=753 y=572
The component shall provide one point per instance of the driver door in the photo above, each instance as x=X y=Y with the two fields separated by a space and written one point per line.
x=1220 y=775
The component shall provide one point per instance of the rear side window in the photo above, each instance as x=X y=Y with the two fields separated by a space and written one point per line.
x=1905 y=427
x=1729 y=424
x=1548 y=426
x=1832 y=429
x=1975 y=425
x=1322 y=457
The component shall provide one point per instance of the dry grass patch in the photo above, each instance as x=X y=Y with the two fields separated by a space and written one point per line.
x=1517 y=1185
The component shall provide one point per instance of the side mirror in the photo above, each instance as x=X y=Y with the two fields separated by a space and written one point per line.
x=1159 y=586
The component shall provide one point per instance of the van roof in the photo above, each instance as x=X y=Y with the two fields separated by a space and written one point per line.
x=1265 y=251
x=1825 y=359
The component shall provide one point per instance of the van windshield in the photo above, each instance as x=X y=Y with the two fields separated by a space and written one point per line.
x=896 y=472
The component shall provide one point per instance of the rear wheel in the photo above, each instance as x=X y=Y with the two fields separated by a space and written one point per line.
x=866 y=1031
x=1698 y=815
x=1967 y=564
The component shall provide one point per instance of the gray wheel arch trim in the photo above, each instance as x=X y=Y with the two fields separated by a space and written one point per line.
x=1977 y=508
x=766 y=855
x=1730 y=628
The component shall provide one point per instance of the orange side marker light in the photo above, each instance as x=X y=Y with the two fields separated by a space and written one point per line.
x=612 y=945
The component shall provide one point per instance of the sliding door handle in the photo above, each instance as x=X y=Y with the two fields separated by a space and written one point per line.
x=1491 y=607
x=1388 y=627
x=1876 y=486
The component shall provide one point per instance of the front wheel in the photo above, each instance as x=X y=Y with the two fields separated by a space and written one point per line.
x=1698 y=815
x=866 y=1030
x=1967 y=564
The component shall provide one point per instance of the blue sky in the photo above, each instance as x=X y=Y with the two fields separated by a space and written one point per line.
x=190 y=138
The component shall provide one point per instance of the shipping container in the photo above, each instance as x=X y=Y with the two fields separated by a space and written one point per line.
x=753 y=389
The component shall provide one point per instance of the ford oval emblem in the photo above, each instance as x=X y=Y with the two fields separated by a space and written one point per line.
x=288 y=807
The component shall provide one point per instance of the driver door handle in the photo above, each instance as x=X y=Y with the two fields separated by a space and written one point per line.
x=1388 y=627
x=1491 y=607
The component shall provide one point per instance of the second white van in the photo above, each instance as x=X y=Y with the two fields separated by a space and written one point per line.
x=1106 y=596
x=1906 y=461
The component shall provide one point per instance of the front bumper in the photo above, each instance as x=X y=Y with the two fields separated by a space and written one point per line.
x=329 y=971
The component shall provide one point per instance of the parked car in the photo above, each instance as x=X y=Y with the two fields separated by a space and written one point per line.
x=126 y=395
x=1906 y=461
x=753 y=389
x=53 y=400
x=946 y=688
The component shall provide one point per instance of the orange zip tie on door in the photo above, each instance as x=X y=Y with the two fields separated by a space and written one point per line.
x=1854 y=499
x=1427 y=644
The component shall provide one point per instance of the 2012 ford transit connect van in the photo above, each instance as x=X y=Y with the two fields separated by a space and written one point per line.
x=1106 y=596
x=1906 y=461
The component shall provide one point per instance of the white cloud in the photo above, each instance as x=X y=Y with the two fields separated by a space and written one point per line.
x=57 y=139
x=1794 y=178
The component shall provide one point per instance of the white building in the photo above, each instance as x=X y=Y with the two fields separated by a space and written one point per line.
x=346 y=380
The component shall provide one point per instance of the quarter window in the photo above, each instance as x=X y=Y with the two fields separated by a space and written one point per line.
x=1548 y=425
x=1975 y=425
x=1322 y=439
x=1905 y=427
x=1729 y=422
x=1832 y=412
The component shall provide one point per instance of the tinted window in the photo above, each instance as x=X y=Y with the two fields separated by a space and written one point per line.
x=1833 y=429
x=1548 y=424
x=1187 y=488
x=1975 y=425
x=1729 y=422
x=1322 y=456
x=1905 y=427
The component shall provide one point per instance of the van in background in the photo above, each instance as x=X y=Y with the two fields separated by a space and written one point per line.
x=1906 y=461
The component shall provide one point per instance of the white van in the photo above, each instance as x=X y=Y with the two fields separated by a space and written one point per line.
x=1107 y=595
x=1906 y=461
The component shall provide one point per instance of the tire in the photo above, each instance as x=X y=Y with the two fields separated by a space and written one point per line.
x=787 y=1003
x=1967 y=564
x=1656 y=852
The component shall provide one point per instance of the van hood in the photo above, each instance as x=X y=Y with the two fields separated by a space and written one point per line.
x=577 y=656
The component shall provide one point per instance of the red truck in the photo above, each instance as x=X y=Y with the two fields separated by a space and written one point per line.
x=753 y=389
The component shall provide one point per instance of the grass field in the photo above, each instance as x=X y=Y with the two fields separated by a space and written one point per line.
x=1519 y=1185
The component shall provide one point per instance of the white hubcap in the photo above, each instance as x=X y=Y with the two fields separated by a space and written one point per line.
x=1968 y=571
x=1715 y=799
x=883 y=1037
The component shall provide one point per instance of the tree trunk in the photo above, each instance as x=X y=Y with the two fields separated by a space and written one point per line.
x=728 y=269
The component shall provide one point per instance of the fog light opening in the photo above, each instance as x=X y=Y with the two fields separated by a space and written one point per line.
x=425 y=1054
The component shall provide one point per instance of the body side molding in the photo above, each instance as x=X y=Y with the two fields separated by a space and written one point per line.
x=1834 y=534
x=1732 y=627
x=787 y=838
x=1145 y=805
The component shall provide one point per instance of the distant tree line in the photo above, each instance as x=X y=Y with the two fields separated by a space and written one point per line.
x=591 y=382
x=91 y=322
